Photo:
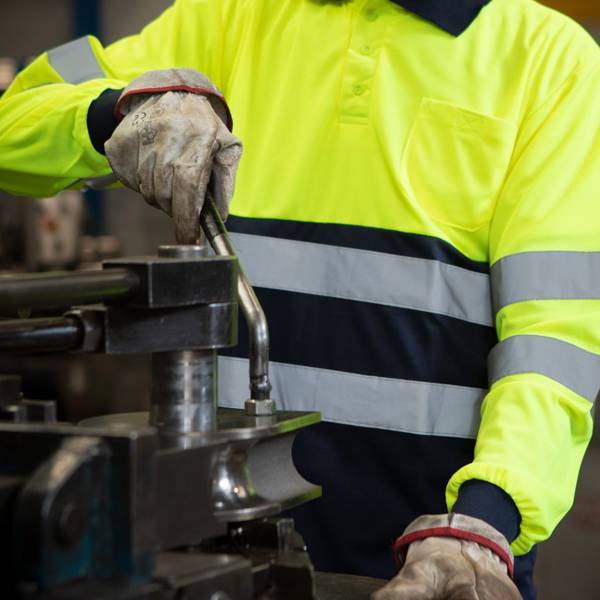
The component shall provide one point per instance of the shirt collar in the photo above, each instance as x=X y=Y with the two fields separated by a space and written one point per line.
x=454 y=16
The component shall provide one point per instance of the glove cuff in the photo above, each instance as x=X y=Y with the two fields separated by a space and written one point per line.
x=174 y=80
x=459 y=527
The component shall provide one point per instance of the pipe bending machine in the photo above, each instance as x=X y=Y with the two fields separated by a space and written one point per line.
x=178 y=503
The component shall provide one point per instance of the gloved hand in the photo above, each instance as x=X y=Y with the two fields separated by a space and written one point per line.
x=451 y=557
x=173 y=137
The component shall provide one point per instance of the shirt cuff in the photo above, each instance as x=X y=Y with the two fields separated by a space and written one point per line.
x=491 y=504
x=101 y=119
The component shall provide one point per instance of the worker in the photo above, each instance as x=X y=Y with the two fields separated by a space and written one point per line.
x=417 y=204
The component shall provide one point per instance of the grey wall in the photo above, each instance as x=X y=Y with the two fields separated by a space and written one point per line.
x=139 y=227
x=124 y=18
x=28 y=27
x=567 y=566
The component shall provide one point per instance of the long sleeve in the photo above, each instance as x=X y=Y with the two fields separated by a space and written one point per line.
x=545 y=274
x=45 y=146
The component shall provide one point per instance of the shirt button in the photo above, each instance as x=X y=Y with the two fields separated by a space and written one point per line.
x=371 y=14
x=366 y=49
x=358 y=89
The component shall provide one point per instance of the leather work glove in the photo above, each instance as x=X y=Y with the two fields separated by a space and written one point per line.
x=451 y=557
x=172 y=139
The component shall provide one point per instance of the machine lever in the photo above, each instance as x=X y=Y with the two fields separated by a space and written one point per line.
x=260 y=402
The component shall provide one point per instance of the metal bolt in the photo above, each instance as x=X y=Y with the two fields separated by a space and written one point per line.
x=70 y=525
x=260 y=408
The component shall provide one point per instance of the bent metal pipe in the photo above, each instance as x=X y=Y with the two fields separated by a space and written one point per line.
x=260 y=402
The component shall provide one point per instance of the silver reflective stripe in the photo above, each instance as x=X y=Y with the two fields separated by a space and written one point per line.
x=394 y=404
x=571 y=366
x=351 y=274
x=75 y=61
x=546 y=276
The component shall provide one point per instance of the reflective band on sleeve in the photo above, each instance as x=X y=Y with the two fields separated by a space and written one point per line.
x=75 y=61
x=365 y=276
x=545 y=276
x=393 y=404
x=567 y=364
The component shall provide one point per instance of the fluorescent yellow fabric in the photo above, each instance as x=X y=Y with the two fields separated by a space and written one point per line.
x=362 y=113
x=534 y=431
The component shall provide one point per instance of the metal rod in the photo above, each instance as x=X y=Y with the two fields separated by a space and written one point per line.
x=216 y=234
x=184 y=383
x=40 y=335
x=62 y=289
x=184 y=391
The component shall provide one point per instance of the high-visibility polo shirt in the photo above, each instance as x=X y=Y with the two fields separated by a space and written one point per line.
x=408 y=203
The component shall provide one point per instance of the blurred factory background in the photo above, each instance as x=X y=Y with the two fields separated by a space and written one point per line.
x=74 y=231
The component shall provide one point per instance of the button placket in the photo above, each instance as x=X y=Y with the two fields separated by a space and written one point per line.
x=367 y=33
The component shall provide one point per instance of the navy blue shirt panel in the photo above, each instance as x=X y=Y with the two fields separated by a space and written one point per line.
x=374 y=485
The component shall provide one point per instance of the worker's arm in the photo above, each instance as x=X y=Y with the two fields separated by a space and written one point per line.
x=46 y=126
x=545 y=371
x=545 y=257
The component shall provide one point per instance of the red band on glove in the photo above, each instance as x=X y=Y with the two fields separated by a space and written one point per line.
x=173 y=88
x=406 y=540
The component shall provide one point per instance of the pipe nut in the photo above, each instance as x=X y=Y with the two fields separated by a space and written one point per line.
x=260 y=408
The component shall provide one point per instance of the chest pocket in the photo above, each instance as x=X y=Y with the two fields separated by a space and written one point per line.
x=455 y=162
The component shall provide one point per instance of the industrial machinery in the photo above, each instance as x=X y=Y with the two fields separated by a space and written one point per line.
x=180 y=502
